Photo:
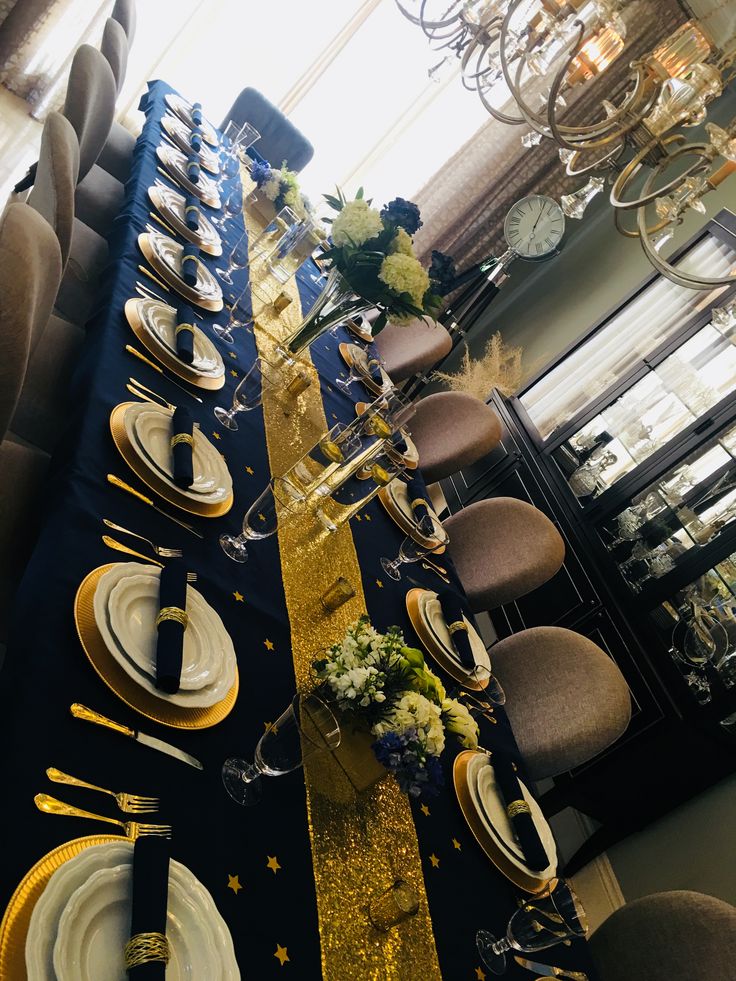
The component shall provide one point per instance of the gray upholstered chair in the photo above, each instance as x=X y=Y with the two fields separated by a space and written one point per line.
x=502 y=548
x=565 y=698
x=89 y=107
x=407 y=349
x=30 y=269
x=280 y=139
x=669 y=936
x=116 y=156
x=125 y=14
x=452 y=430
x=52 y=194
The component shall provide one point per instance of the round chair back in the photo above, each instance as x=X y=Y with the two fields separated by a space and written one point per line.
x=451 y=431
x=114 y=47
x=90 y=103
x=52 y=194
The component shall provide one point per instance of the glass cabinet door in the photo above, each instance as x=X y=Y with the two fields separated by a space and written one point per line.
x=685 y=508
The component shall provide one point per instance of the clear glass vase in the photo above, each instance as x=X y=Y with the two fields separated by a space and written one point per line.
x=335 y=304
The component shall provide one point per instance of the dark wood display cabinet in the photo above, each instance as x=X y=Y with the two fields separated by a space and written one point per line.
x=628 y=443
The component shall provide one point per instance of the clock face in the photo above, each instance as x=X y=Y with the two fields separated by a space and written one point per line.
x=534 y=226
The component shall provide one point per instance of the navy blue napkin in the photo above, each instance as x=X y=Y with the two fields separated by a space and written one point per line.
x=398 y=442
x=170 y=641
x=150 y=895
x=182 y=452
x=189 y=257
x=526 y=832
x=195 y=139
x=452 y=612
x=197 y=113
x=192 y=169
x=420 y=511
x=185 y=336
x=191 y=212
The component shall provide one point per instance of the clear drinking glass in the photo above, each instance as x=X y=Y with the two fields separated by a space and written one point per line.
x=291 y=250
x=411 y=551
x=543 y=921
x=247 y=136
x=228 y=170
x=359 y=369
x=337 y=447
x=249 y=392
x=240 y=315
x=261 y=520
x=350 y=496
x=238 y=259
x=308 y=726
x=274 y=231
x=232 y=206
x=229 y=137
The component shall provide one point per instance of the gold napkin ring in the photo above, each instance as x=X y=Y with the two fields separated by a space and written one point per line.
x=457 y=626
x=419 y=500
x=517 y=807
x=173 y=613
x=179 y=329
x=192 y=207
x=145 y=948
x=182 y=438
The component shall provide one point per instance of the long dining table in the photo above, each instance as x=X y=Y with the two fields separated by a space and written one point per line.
x=292 y=875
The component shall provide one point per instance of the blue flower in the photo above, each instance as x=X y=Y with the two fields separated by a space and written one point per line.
x=402 y=214
x=260 y=171
x=442 y=272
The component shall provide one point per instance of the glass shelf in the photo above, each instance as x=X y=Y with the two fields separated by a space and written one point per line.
x=624 y=341
x=655 y=410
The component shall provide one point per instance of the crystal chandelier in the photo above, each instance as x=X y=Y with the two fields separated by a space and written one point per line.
x=523 y=57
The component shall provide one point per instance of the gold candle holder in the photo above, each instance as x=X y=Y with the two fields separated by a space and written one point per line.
x=394 y=905
x=281 y=302
x=336 y=594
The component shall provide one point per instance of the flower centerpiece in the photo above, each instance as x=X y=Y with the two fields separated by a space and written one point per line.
x=281 y=188
x=388 y=689
x=371 y=263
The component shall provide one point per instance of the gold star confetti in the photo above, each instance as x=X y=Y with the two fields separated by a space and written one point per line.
x=480 y=975
x=268 y=644
x=273 y=864
x=261 y=516
x=358 y=517
x=379 y=584
x=281 y=955
x=367 y=517
x=435 y=861
x=334 y=416
x=232 y=354
x=425 y=810
x=239 y=598
x=233 y=882
x=456 y=844
x=215 y=435
x=233 y=372
x=249 y=470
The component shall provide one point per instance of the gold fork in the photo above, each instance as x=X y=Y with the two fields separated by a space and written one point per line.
x=128 y=803
x=132 y=829
x=160 y=550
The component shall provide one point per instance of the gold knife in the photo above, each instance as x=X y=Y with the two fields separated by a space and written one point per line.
x=117 y=482
x=152 y=364
x=89 y=715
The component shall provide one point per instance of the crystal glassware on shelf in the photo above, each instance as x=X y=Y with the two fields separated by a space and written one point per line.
x=584 y=481
x=412 y=551
x=261 y=520
x=629 y=522
x=542 y=921
x=249 y=392
x=306 y=727
x=238 y=259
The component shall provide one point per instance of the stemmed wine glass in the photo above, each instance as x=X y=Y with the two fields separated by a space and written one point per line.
x=248 y=394
x=412 y=551
x=232 y=206
x=261 y=520
x=238 y=259
x=360 y=369
x=543 y=921
x=308 y=726
x=241 y=315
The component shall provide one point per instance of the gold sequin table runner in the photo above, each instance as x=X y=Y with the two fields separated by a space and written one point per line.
x=359 y=843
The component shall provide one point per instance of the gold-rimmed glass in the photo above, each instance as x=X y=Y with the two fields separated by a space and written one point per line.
x=393 y=906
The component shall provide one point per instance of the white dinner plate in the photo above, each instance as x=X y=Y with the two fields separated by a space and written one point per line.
x=398 y=493
x=431 y=612
x=169 y=253
x=491 y=808
x=159 y=320
x=133 y=606
x=183 y=109
x=172 y=206
x=181 y=134
x=207 y=462
x=353 y=354
x=219 y=638
x=175 y=162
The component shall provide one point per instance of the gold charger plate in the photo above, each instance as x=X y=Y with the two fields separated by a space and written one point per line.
x=365 y=379
x=400 y=519
x=210 y=245
x=190 y=293
x=171 y=494
x=526 y=881
x=433 y=647
x=178 y=175
x=362 y=333
x=17 y=918
x=174 y=365
x=124 y=687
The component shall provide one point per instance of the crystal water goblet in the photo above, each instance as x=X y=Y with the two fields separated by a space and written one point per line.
x=308 y=726
x=248 y=393
x=261 y=520
x=542 y=921
x=238 y=259
x=412 y=551
x=232 y=206
x=360 y=369
x=240 y=314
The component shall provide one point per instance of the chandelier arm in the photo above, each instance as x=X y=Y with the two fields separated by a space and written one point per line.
x=602 y=163
x=420 y=22
x=627 y=175
x=528 y=116
x=481 y=48
x=555 y=89
x=634 y=233
x=499 y=116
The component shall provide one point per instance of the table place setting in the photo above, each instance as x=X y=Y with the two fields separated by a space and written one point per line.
x=182 y=269
x=190 y=140
x=185 y=171
x=191 y=114
x=183 y=216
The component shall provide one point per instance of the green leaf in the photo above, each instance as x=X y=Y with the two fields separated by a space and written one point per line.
x=380 y=322
x=359 y=194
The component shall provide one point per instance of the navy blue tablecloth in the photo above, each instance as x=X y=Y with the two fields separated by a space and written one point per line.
x=228 y=848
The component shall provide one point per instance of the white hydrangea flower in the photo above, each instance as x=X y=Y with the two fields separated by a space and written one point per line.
x=272 y=187
x=405 y=274
x=460 y=723
x=402 y=243
x=356 y=224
